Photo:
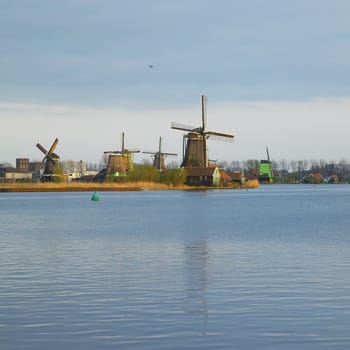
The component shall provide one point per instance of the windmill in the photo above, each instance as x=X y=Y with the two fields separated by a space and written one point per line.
x=265 y=170
x=159 y=157
x=195 y=153
x=51 y=159
x=120 y=162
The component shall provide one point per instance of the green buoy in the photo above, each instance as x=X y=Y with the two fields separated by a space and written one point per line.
x=95 y=197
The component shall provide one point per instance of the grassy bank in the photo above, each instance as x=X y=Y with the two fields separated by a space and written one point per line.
x=65 y=187
x=83 y=187
x=90 y=186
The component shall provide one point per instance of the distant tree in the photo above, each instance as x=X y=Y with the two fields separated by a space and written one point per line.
x=104 y=161
x=294 y=166
x=237 y=165
x=343 y=170
x=315 y=166
x=222 y=164
x=275 y=166
x=173 y=164
x=251 y=164
x=283 y=165
x=306 y=164
x=147 y=162
x=301 y=166
x=92 y=166
x=292 y=178
x=68 y=166
x=322 y=163
x=6 y=165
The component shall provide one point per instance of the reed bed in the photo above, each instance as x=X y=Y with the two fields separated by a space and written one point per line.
x=66 y=187
x=93 y=186
x=87 y=186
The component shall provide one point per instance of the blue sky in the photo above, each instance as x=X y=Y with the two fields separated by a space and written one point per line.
x=275 y=72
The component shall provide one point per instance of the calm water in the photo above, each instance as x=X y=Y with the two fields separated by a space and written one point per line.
x=258 y=269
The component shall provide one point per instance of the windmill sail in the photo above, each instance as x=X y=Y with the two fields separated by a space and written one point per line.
x=204 y=111
x=120 y=161
x=183 y=127
x=42 y=149
x=53 y=146
x=50 y=160
x=195 y=141
x=159 y=157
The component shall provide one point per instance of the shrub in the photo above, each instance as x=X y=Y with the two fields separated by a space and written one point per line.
x=146 y=173
x=174 y=176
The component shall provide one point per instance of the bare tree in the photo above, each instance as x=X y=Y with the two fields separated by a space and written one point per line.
x=283 y=165
x=237 y=165
x=104 y=161
x=294 y=166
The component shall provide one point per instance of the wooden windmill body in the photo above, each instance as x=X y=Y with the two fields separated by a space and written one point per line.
x=195 y=152
x=51 y=160
x=120 y=162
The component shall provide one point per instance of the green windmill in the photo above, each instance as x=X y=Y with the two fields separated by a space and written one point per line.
x=265 y=170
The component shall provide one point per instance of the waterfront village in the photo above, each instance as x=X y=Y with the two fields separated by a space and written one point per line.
x=196 y=169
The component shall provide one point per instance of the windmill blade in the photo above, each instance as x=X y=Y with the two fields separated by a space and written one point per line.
x=268 y=154
x=42 y=149
x=183 y=147
x=123 y=140
x=132 y=150
x=168 y=154
x=183 y=127
x=205 y=151
x=159 y=148
x=52 y=148
x=160 y=145
x=164 y=153
x=112 y=152
x=220 y=136
x=204 y=111
x=127 y=150
x=268 y=158
x=160 y=153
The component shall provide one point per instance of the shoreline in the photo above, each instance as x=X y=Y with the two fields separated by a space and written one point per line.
x=96 y=187
x=66 y=187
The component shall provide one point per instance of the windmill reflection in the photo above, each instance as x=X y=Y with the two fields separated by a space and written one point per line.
x=197 y=256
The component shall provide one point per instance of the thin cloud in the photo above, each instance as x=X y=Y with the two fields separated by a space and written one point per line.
x=310 y=129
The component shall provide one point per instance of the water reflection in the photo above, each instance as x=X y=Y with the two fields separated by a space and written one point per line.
x=196 y=268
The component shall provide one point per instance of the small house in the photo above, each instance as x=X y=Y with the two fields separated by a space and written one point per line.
x=225 y=178
x=203 y=176
x=9 y=174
